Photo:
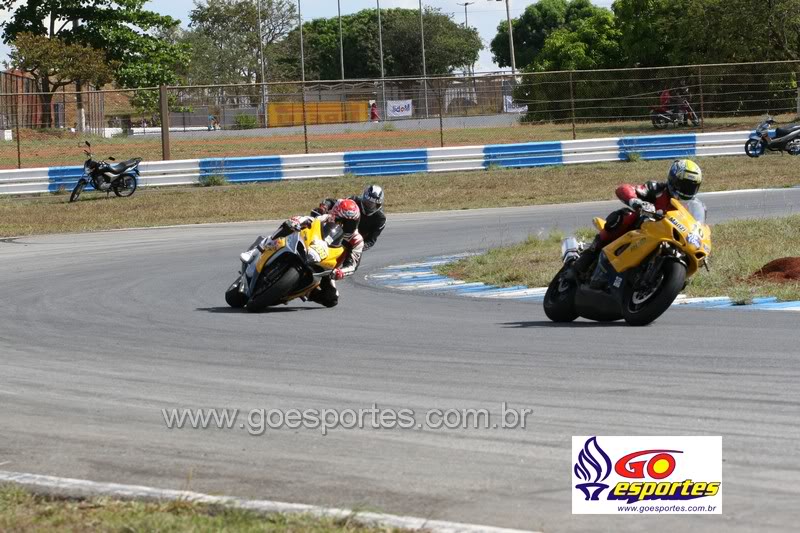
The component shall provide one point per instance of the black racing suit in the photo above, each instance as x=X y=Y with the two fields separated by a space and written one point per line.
x=370 y=226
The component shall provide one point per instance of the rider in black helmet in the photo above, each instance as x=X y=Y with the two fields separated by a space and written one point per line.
x=373 y=219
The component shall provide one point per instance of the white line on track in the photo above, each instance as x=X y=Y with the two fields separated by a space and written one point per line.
x=84 y=488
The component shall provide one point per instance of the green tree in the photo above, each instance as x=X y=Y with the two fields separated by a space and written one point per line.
x=54 y=64
x=533 y=27
x=587 y=43
x=448 y=45
x=224 y=39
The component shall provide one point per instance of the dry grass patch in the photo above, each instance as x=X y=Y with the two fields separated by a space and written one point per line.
x=23 y=512
x=420 y=192
x=739 y=249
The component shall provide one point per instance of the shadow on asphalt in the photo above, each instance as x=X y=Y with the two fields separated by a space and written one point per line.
x=548 y=324
x=224 y=310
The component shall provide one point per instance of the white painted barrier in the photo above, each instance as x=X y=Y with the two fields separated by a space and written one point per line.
x=394 y=162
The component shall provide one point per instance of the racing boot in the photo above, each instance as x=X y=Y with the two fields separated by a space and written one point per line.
x=587 y=257
x=599 y=279
x=256 y=247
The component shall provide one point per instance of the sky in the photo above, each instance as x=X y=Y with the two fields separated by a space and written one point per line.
x=485 y=15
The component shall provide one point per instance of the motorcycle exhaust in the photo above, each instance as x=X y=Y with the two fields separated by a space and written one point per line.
x=571 y=249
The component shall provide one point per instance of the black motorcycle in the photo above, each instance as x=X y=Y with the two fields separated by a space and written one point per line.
x=679 y=115
x=786 y=139
x=119 y=178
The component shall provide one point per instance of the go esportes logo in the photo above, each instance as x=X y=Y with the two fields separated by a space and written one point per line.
x=647 y=475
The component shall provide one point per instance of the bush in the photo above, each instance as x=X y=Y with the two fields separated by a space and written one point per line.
x=214 y=180
x=246 y=122
x=633 y=157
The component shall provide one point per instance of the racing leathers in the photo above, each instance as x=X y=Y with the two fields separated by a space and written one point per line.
x=652 y=196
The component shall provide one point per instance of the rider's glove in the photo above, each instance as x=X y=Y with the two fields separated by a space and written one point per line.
x=636 y=203
x=337 y=274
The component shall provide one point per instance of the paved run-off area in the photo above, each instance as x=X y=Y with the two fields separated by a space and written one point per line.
x=102 y=331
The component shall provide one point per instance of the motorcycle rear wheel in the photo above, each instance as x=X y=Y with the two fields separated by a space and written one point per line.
x=274 y=293
x=76 y=192
x=128 y=188
x=640 y=308
x=559 y=300
x=753 y=148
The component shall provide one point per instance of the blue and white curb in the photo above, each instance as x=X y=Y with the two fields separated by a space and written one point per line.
x=421 y=276
x=267 y=168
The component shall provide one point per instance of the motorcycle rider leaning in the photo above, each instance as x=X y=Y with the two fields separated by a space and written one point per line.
x=345 y=214
x=683 y=183
x=373 y=219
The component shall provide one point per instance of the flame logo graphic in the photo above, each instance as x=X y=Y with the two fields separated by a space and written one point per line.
x=593 y=467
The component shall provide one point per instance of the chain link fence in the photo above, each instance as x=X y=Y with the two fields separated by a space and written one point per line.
x=39 y=130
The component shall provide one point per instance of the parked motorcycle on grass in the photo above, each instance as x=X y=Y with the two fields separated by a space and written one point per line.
x=119 y=178
x=787 y=139
x=288 y=268
x=648 y=268
x=680 y=115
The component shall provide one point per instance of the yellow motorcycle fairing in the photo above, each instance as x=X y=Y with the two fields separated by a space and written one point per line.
x=678 y=227
x=312 y=239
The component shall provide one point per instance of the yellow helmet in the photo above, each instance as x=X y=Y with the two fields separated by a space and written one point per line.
x=684 y=179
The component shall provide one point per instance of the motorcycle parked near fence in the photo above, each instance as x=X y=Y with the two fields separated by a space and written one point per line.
x=786 y=139
x=119 y=178
x=680 y=115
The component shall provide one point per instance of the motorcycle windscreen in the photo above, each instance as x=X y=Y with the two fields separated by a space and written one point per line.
x=697 y=209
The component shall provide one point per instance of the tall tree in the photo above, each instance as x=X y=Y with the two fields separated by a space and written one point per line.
x=533 y=27
x=54 y=64
x=122 y=29
x=448 y=45
x=587 y=43
x=224 y=39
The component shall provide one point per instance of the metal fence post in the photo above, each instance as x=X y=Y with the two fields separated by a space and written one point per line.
x=441 y=116
x=16 y=126
x=164 y=101
x=305 y=116
x=702 y=100
x=572 y=105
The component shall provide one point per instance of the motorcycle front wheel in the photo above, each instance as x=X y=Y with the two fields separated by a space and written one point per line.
x=234 y=297
x=273 y=286
x=753 y=148
x=76 y=192
x=125 y=187
x=641 y=306
x=559 y=300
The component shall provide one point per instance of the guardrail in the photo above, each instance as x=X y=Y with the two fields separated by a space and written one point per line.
x=394 y=162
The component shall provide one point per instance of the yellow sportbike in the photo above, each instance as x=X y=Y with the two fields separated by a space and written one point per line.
x=289 y=267
x=645 y=269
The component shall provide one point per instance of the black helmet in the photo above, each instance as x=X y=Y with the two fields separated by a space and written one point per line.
x=684 y=179
x=372 y=199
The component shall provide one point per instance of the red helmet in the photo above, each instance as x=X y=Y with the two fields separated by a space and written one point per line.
x=346 y=213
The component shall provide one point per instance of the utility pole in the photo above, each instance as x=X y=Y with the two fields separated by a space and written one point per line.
x=81 y=111
x=341 y=38
x=424 y=66
x=261 y=54
x=466 y=24
x=510 y=38
x=383 y=71
x=466 y=13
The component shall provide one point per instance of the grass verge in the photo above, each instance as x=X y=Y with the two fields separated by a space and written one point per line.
x=740 y=249
x=23 y=512
x=420 y=192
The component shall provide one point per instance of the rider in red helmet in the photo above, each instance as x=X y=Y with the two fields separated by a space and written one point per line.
x=344 y=214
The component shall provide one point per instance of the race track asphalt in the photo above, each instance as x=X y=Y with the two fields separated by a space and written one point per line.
x=102 y=331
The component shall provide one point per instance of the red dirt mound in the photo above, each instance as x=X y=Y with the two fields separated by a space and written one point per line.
x=786 y=269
